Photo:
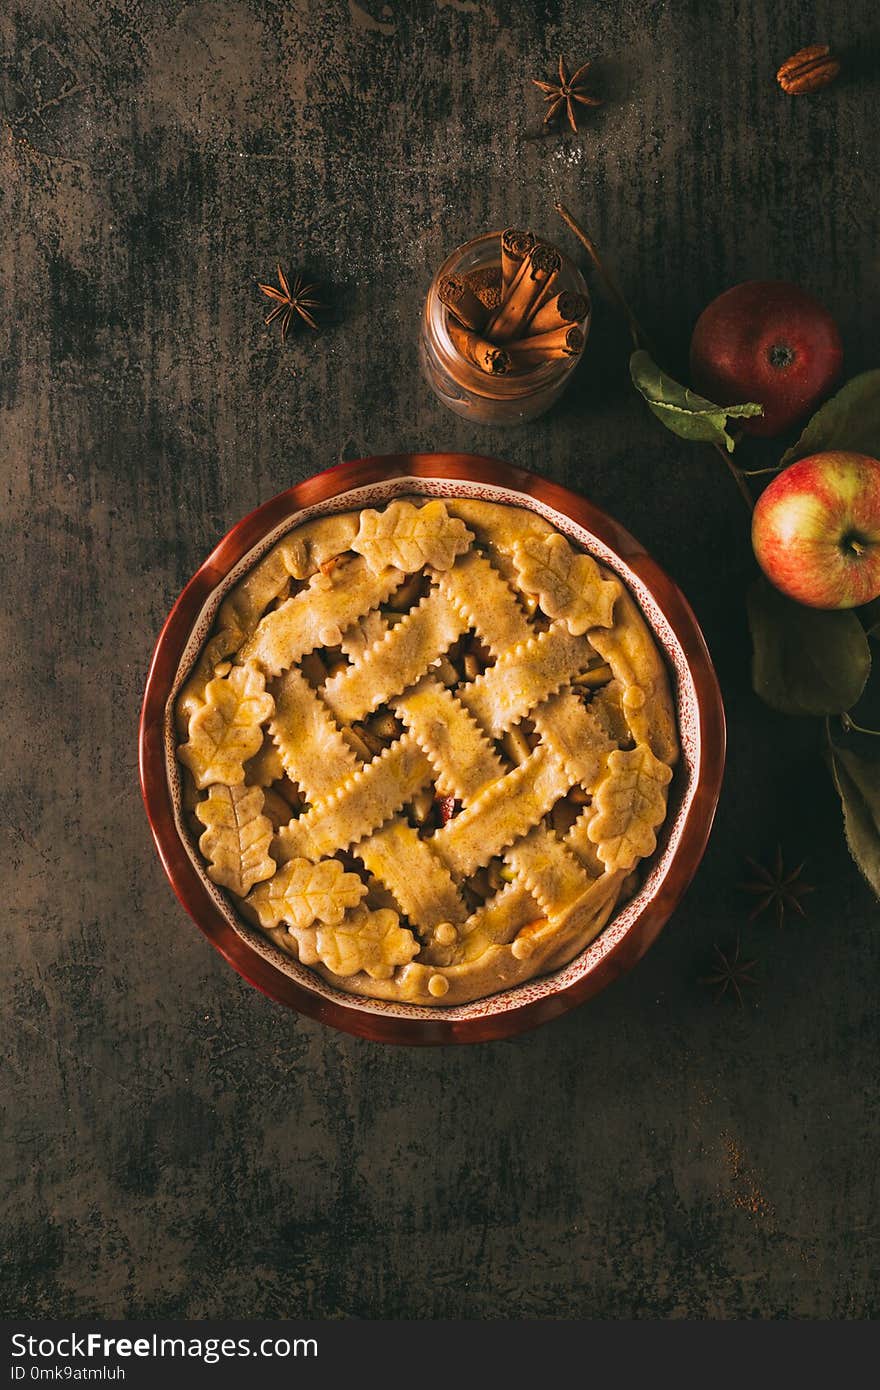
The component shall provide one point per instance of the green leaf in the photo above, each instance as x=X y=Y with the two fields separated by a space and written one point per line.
x=681 y=410
x=857 y=780
x=850 y=420
x=805 y=660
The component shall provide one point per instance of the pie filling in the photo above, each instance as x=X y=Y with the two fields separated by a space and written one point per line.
x=426 y=748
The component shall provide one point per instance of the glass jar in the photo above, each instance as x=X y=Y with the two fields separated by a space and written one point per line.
x=470 y=392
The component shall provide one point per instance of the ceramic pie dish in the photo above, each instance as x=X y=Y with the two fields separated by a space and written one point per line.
x=519 y=524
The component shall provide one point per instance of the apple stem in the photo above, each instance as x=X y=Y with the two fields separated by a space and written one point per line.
x=612 y=288
x=855 y=547
x=851 y=727
x=760 y=472
x=738 y=477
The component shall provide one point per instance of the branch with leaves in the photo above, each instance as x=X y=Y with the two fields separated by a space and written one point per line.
x=806 y=661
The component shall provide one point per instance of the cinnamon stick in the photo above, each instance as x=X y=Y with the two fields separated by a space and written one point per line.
x=457 y=296
x=605 y=275
x=515 y=246
x=559 y=311
x=543 y=347
x=486 y=285
x=487 y=356
x=533 y=282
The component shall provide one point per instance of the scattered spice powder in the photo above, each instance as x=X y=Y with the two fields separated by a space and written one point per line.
x=747 y=1195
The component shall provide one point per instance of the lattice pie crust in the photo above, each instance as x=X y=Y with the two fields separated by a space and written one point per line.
x=426 y=747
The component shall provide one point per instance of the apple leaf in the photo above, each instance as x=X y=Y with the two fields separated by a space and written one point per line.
x=680 y=409
x=857 y=780
x=850 y=420
x=805 y=660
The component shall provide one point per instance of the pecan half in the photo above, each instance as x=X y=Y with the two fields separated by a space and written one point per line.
x=808 y=70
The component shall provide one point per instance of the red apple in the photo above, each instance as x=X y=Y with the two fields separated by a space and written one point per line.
x=770 y=342
x=816 y=530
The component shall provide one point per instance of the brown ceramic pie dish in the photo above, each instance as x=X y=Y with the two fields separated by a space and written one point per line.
x=693 y=794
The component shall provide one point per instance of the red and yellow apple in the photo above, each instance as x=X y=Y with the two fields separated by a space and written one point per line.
x=770 y=342
x=816 y=530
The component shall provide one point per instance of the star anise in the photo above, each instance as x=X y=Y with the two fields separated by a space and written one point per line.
x=732 y=975
x=290 y=301
x=565 y=93
x=777 y=888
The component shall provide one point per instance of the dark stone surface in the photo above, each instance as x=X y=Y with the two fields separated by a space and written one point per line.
x=173 y=1143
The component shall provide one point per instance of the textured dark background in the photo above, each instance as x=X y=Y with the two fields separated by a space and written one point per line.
x=172 y=1142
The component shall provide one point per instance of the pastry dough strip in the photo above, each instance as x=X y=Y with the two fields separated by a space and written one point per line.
x=524 y=677
x=506 y=811
x=400 y=657
x=296 y=556
x=357 y=639
x=487 y=601
x=580 y=844
x=366 y=800
x=419 y=882
x=574 y=736
x=632 y=656
x=552 y=873
x=497 y=523
x=318 y=615
x=314 y=753
x=496 y=922
x=462 y=756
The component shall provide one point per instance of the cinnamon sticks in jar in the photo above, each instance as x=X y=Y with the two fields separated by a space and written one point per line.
x=529 y=288
x=515 y=316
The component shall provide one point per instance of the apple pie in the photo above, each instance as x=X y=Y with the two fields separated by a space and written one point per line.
x=426 y=748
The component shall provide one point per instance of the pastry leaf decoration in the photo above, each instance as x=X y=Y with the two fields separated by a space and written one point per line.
x=409 y=537
x=630 y=802
x=857 y=780
x=681 y=410
x=373 y=942
x=225 y=731
x=850 y=420
x=806 y=660
x=236 y=838
x=302 y=893
x=569 y=585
